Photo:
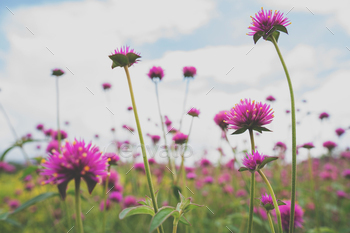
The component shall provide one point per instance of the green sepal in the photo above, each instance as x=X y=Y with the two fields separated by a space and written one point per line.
x=280 y=203
x=119 y=60
x=242 y=169
x=239 y=131
x=176 y=190
x=132 y=57
x=266 y=160
x=261 y=129
x=275 y=34
x=281 y=28
x=184 y=221
x=257 y=36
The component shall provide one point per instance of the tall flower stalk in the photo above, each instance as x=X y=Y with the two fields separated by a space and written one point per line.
x=126 y=57
x=105 y=200
x=58 y=73
x=78 y=220
x=268 y=25
x=252 y=187
x=189 y=72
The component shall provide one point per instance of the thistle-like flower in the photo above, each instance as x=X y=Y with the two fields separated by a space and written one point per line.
x=193 y=112
x=112 y=158
x=323 y=115
x=180 y=138
x=340 y=131
x=124 y=57
x=267 y=202
x=77 y=161
x=285 y=215
x=249 y=115
x=270 y=98
x=156 y=72
x=256 y=161
x=308 y=145
x=329 y=145
x=220 y=120
x=266 y=23
x=189 y=71
x=106 y=86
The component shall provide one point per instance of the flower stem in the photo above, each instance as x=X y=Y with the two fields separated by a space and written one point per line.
x=185 y=100
x=175 y=226
x=143 y=148
x=164 y=134
x=105 y=200
x=252 y=187
x=58 y=117
x=312 y=184
x=274 y=200
x=79 y=223
x=270 y=222
x=294 y=142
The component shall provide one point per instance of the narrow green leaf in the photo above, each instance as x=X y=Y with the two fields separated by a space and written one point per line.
x=267 y=160
x=6 y=151
x=162 y=214
x=260 y=129
x=3 y=216
x=136 y=210
x=176 y=190
x=257 y=36
x=242 y=169
x=132 y=57
x=142 y=203
x=239 y=131
x=28 y=170
x=191 y=206
x=280 y=203
x=39 y=198
x=184 y=220
x=275 y=34
x=119 y=59
x=281 y=28
x=13 y=222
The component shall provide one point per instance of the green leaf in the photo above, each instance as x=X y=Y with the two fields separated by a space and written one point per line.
x=162 y=215
x=114 y=64
x=260 y=129
x=182 y=197
x=39 y=198
x=28 y=170
x=13 y=222
x=3 y=216
x=267 y=160
x=242 y=169
x=239 y=131
x=119 y=59
x=275 y=34
x=190 y=207
x=6 y=151
x=136 y=210
x=281 y=28
x=184 y=220
x=176 y=190
x=280 y=203
x=132 y=57
x=257 y=36
x=142 y=203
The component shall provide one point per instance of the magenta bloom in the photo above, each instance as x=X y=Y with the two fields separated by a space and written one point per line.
x=339 y=132
x=266 y=202
x=156 y=72
x=52 y=146
x=346 y=173
x=285 y=215
x=193 y=112
x=323 y=115
x=256 y=161
x=152 y=161
x=8 y=168
x=241 y=193
x=108 y=205
x=264 y=23
x=112 y=158
x=329 y=145
x=57 y=72
x=112 y=180
x=308 y=145
x=249 y=115
x=28 y=178
x=208 y=180
x=281 y=145
x=205 y=163
x=124 y=57
x=76 y=161
x=228 y=189
x=270 y=98
x=129 y=201
x=345 y=154
x=40 y=127
x=106 y=86
x=14 y=204
x=341 y=194
x=55 y=135
x=139 y=167
x=116 y=197
x=180 y=138
x=167 y=121
x=230 y=164
x=155 y=138
x=220 y=120
x=191 y=176
x=189 y=71
x=48 y=132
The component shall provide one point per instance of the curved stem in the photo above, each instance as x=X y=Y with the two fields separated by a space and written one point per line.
x=79 y=223
x=58 y=118
x=185 y=100
x=105 y=200
x=270 y=222
x=252 y=187
x=274 y=200
x=294 y=143
x=143 y=148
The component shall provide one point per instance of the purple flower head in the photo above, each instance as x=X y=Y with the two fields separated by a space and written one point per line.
x=340 y=131
x=208 y=180
x=112 y=180
x=112 y=158
x=77 y=160
x=281 y=145
x=48 y=132
x=97 y=136
x=228 y=189
x=155 y=138
x=129 y=201
x=220 y=120
x=130 y=108
x=270 y=98
x=8 y=168
x=106 y=86
x=124 y=57
x=193 y=112
x=249 y=115
x=341 y=194
x=323 y=115
x=266 y=202
x=156 y=72
x=180 y=138
x=191 y=176
x=285 y=215
x=14 y=204
x=108 y=205
x=152 y=161
x=55 y=135
x=224 y=178
x=28 y=178
x=29 y=186
x=241 y=193
x=205 y=162
x=57 y=72
x=256 y=161
x=230 y=164
x=139 y=167
x=116 y=197
x=345 y=154
x=118 y=188
x=329 y=145
x=40 y=127
x=189 y=71
x=52 y=147
x=308 y=145
x=167 y=121
x=264 y=23
x=346 y=173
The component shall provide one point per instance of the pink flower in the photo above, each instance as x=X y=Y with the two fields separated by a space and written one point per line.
x=341 y=194
x=339 y=132
x=124 y=57
x=156 y=72
x=205 y=162
x=57 y=72
x=189 y=71
x=270 y=98
x=323 y=115
x=308 y=145
x=112 y=180
x=52 y=146
x=129 y=128
x=139 y=167
x=281 y=145
x=152 y=161
x=108 y=205
x=167 y=121
x=116 y=197
x=8 y=168
x=180 y=138
x=48 y=132
x=55 y=135
x=130 y=108
x=193 y=112
x=285 y=215
x=228 y=189
x=220 y=120
x=112 y=158
x=106 y=86
x=255 y=161
x=14 y=204
x=40 y=127
x=241 y=193
x=155 y=138
x=329 y=145
x=230 y=164
x=208 y=180
x=129 y=201
x=346 y=173
x=191 y=176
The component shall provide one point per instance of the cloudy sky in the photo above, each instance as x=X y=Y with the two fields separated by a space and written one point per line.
x=37 y=36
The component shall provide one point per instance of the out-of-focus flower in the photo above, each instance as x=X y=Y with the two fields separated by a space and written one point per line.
x=48 y=132
x=13 y=204
x=108 y=205
x=323 y=115
x=208 y=180
x=57 y=72
x=241 y=193
x=116 y=197
x=167 y=121
x=152 y=161
x=180 y=138
x=129 y=128
x=139 y=167
x=156 y=72
x=285 y=215
x=189 y=71
x=5 y=167
x=281 y=145
x=191 y=176
x=28 y=178
x=345 y=154
x=220 y=120
x=308 y=145
x=340 y=131
x=228 y=189
x=112 y=158
x=106 y=86
x=329 y=145
x=341 y=194
x=124 y=57
x=129 y=108
x=270 y=98
x=29 y=186
x=52 y=146
x=112 y=180
x=129 y=201
x=205 y=162
x=256 y=161
x=230 y=164
x=55 y=135
x=155 y=138
x=40 y=127
x=346 y=173
x=193 y=112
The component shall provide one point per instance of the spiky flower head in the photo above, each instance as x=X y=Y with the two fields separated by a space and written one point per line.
x=329 y=145
x=340 y=131
x=57 y=72
x=156 y=73
x=180 y=138
x=266 y=23
x=189 y=71
x=267 y=203
x=77 y=160
x=308 y=145
x=255 y=161
x=250 y=115
x=194 y=112
x=124 y=57
x=220 y=120
x=167 y=121
x=285 y=215
x=106 y=86
x=270 y=98
x=323 y=115
x=52 y=147
x=112 y=158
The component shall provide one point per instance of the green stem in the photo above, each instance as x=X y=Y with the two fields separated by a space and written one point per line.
x=79 y=223
x=251 y=206
x=274 y=200
x=270 y=222
x=312 y=184
x=58 y=118
x=105 y=200
x=175 y=226
x=185 y=100
x=143 y=148
x=294 y=141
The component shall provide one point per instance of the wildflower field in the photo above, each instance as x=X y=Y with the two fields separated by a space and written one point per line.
x=158 y=180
